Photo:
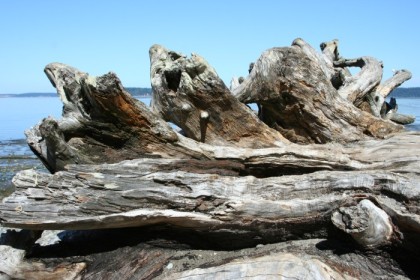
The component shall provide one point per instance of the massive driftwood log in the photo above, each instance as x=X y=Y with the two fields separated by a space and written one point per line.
x=215 y=201
x=346 y=208
x=153 y=254
x=127 y=192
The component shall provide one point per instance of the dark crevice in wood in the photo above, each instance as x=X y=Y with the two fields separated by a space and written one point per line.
x=173 y=78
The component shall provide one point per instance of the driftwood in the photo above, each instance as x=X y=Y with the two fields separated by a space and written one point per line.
x=299 y=100
x=401 y=118
x=188 y=93
x=396 y=80
x=375 y=101
x=232 y=182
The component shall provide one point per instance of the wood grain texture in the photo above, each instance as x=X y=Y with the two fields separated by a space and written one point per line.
x=235 y=194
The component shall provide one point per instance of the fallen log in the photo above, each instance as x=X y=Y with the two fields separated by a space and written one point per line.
x=232 y=211
x=152 y=191
x=160 y=254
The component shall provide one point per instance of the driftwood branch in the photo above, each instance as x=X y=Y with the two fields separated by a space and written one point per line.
x=369 y=77
x=376 y=99
x=395 y=81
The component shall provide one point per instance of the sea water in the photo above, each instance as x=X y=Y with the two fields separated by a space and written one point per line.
x=410 y=106
x=18 y=114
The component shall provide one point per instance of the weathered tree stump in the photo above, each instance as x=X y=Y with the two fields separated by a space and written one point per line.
x=189 y=93
x=300 y=101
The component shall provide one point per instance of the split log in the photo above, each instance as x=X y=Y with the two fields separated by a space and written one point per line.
x=189 y=93
x=298 y=99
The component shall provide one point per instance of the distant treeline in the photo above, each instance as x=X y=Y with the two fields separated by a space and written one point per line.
x=413 y=92
x=134 y=91
x=29 y=94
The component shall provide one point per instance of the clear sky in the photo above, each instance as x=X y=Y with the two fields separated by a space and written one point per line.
x=98 y=36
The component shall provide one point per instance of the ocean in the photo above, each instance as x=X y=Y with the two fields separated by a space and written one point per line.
x=18 y=114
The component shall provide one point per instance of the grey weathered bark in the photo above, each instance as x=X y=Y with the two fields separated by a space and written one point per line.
x=103 y=123
x=324 y=61
x=189 y=93
x=364 y=89
x=131 y=194
x=299 y=100
x=369 y=225
x=215 y=200
x=214 y=194
x=14 y=265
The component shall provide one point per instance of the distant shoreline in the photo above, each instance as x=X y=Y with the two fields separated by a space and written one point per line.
x=412 y=92
x=136 y=92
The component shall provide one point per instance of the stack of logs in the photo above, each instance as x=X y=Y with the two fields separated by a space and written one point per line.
x=320 y=182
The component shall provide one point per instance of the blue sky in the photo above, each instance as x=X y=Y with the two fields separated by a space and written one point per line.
x=101 y=36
